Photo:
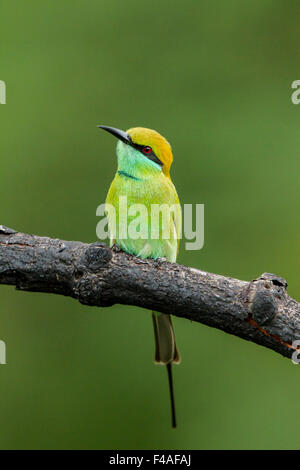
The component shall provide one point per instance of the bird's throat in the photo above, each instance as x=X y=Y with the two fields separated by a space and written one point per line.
x=132 y=164
x=128 y=175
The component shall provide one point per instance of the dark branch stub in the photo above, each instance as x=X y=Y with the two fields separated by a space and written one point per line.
x=259 y=311
x=6 y=230
x=265 y=297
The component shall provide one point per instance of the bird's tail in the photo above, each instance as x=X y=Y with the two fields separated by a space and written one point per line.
x=166 y=352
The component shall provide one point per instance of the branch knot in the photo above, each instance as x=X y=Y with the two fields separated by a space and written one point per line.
x=264 y=297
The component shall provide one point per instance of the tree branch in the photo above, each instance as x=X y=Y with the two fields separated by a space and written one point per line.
x=259 y=311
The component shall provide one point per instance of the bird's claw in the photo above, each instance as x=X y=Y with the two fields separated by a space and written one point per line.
x=116 y=248
x=160 y=261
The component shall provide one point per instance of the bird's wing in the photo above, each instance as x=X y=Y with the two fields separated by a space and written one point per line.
x=177 y=218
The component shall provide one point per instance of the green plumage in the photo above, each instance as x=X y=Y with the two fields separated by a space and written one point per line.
x=142 y=182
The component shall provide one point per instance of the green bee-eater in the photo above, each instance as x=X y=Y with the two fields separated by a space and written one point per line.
x=144 y=161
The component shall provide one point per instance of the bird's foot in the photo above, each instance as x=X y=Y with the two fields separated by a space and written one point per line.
x=116 y=248
x=160 y=261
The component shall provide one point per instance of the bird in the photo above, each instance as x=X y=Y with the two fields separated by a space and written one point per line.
x=143 y=176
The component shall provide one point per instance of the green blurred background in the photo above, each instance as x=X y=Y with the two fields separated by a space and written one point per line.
x=215 y=79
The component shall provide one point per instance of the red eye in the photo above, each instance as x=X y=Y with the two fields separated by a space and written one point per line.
x=147 y=150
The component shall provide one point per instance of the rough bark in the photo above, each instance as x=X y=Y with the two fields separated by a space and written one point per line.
x=259 y=311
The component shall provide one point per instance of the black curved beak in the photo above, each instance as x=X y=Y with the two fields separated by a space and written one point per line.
x=121 y=135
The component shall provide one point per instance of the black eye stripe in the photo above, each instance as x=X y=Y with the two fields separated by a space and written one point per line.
x=150 y=155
